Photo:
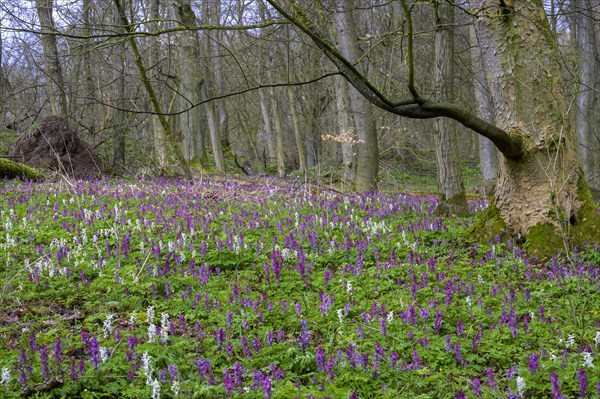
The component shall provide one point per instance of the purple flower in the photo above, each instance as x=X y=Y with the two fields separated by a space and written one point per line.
x=583 y=382
x=57 y=354
x=533 y=363
x=227 y=382
x=320 y=358
x=476 y=387
x=556 y=394
x=437 y=321
x=44 y=361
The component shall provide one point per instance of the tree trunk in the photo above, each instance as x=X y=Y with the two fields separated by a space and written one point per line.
x=158 y=134
x=119 y=122
x=54 y=74
x=211 y=15
x=190 y=84
x=298 y=136
x=541 y=196
x=4 y=92
x=367 y=162
x=588 y=100
x=346 y=129
x=488 y=155
x=277 y=125
x=450 y=182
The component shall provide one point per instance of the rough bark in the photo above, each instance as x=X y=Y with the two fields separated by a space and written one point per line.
x=367 y=160
x=488 y=154
x=119 y=121
x=4 y=92
x=298 y=136
x=345 y=125
x=211 y=11
x=588 y=98
x=543 y=196
x=190 y=84
x=453 y=200
x=158 y=134
x=53 y=69
x=156 y=105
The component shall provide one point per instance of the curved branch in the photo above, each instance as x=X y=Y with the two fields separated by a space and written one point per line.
x=414 y=108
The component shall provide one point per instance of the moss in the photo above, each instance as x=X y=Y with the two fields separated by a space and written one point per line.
x=585 y=225
x=489 y=226
x=544 y=240
x=10 y=170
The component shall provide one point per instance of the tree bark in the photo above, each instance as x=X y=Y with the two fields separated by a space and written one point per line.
x=367 y=162
x=488 y=154
x=588 y=98
x=298 y=136
x=345 y=125
x=119 y=122
x=190 y=85
x=158 y=134
x=543 y=196
x=453 y=199
x=54 y=74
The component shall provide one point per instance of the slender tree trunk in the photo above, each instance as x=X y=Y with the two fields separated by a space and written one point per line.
x=4 y=92
x=588 y=100
x=277 y=125
x=453 y=199
x=367 y=163
x=91 y=112
x=488 y=154
x=54 y=74
x=217 y=64
x=119 y=117
x=156 y=105
x=297 y=130
x=158 y=134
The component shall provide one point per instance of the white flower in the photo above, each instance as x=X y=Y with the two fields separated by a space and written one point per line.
x=147 y=367
x=588 y=360
x=520 y=385
x=469 y=302
x=349 y=288
x=480 y=279
x=132 y=319
x=570 y=341
x=552 y=355
x=597 y=339
x=151 y=333
x=164 y=327
x=390 y=317
x=5 y=377
x=340 y=314
x=108 y=327
x=103 y=354
x=150 y=313
x=155 y=389
x=175 y=387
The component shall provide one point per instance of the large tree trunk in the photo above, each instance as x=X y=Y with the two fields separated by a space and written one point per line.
x=298 y=136
x=488 y=154
x=453 y=199
x=367 y=162
x=541 y=196
x=588 y=97
x=346 y=129
x=277 y=125
x=190 y=84
x=54 y=74
x=159 y=142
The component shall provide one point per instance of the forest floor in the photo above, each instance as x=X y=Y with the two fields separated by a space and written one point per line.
x=257 y=289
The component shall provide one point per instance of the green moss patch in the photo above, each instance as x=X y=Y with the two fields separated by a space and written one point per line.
x=10 y=170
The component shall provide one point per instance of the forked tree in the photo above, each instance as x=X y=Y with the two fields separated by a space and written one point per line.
x=542 y=195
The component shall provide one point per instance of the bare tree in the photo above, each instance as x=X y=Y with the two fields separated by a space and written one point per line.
x=541 y=194
x=453 y=198
x=53 y=69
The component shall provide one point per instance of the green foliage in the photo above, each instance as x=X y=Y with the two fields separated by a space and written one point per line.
x=282 y=273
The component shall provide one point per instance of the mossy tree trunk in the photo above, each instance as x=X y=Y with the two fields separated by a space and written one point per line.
x=541 y=196
x=453 y=199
